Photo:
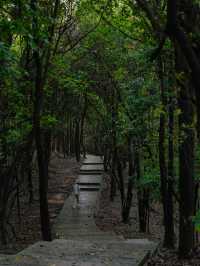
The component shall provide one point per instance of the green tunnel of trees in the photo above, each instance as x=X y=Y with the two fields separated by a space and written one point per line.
x=116 y=78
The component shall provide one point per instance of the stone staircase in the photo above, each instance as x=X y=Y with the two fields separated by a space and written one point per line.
x=78 y=241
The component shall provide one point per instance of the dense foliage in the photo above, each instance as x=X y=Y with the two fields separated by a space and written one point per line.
x=119 y=78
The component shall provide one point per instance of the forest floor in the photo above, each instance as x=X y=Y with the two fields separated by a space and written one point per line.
x=62 y=174
x=109 y=218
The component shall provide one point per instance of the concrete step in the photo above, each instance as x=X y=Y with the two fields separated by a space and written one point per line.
x=90 y=159
x=98 y=163
x=91 y=173
x=96 y=239
x=83 y=237
x=89 y=188
x=82 y=253
x=89 y=183
x=90 y=178
x=92 y=167
x=90 y=232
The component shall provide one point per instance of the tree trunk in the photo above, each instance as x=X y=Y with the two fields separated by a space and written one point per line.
x=42 y=163
x=143 y=198
x=180 y=37
x=42 y=167
x=114 y=144
x=126 y=207
x=170 y=223
x=77 y=141
x=83 y=116
x=186 y=163
x=121 y=179
x=127 y=202
x=71 y=137
x=165 y=189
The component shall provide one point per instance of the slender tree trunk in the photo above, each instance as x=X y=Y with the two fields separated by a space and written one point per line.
x=180 y=37
x=130 y=157
x=3 y=238
x=197 y=207
x=82 y=144
x=105 y=158
x=114 y=145
x=77 y=141
x=186 y=163
x=42 y=163
x=67 y=140
x=121 y=179
x=18 y=196
x=126 y=206
x=165 y=188
x=113 y=186
x=170 y=207
x=30 y=185
x=71 y=140
x=143 y=198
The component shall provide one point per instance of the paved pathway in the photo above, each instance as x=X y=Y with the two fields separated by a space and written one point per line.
x=79 y=242
x=79 y=223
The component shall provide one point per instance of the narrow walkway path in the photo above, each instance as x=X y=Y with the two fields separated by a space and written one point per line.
x=79 y=242
x=79 y=223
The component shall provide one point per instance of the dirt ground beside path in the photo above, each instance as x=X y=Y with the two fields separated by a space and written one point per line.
x=108 y=218
x=62 y=174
